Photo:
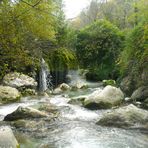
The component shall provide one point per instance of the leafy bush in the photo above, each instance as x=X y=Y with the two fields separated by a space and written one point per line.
x=109 y=82
x=17 y=60
x=61 y=59
x=98 y=47
x=133 y=60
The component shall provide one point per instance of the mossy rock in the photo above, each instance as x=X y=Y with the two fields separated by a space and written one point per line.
x=29 y=92
x=9 y=94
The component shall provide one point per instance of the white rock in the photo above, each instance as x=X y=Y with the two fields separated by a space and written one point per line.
x=110 y=96
x=7 y=138
x=19 y=80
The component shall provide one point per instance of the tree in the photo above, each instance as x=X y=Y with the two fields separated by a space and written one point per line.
x=22 y=24
x=100 y=44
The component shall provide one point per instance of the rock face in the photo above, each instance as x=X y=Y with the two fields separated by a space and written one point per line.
x=24 y=113
x=128 y=116
x=110 y=96
x=18 y=80
x=141 y=94
x=7 y=138
x=8 y=94
x=63 y=87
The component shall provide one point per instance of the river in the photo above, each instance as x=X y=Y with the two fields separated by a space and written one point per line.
x=73 y=128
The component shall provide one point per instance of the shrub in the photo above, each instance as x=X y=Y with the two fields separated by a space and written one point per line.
x=133 y=59
x=61 y=59
x=98 y=47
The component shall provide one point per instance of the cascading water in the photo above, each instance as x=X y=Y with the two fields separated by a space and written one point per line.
x=44 y=77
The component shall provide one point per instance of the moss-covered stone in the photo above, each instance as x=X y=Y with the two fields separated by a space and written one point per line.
x=127 y=116
x=9 y=94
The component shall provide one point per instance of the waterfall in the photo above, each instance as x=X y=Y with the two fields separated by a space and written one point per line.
x=45 y=81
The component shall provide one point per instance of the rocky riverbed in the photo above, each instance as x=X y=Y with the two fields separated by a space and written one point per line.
x=89 y=116
x=54 y=123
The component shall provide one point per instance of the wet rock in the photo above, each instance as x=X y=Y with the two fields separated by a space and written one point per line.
x=49 y=108
x=24 y=113
x=127 y=116
x=107 y=98
x=7 y=138
x=77 y=100
x=18 y=80
x=81 y=85
x=57 y=91
x=29 y=92
x=9 y=94
x=31 y=125
x=64 y=87
x=140 y=94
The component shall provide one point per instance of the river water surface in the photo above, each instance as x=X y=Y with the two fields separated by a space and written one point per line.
x=74 y=128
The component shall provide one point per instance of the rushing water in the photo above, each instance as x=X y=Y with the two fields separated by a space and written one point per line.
x=74 y=128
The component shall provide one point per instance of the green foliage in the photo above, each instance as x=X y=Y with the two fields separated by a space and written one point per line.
x=17 y=60
x=71 y=38
x=23 y=25
x=98 y=47
x=133 y=59
x=62 y=59
x=109 y=82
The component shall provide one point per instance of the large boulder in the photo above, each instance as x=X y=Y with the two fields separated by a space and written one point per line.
x=18 y=80
x=24 y=113
x=7 y=138
x=127 y=116
x=141 y=94
x=107 y=98
x=8 y=94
